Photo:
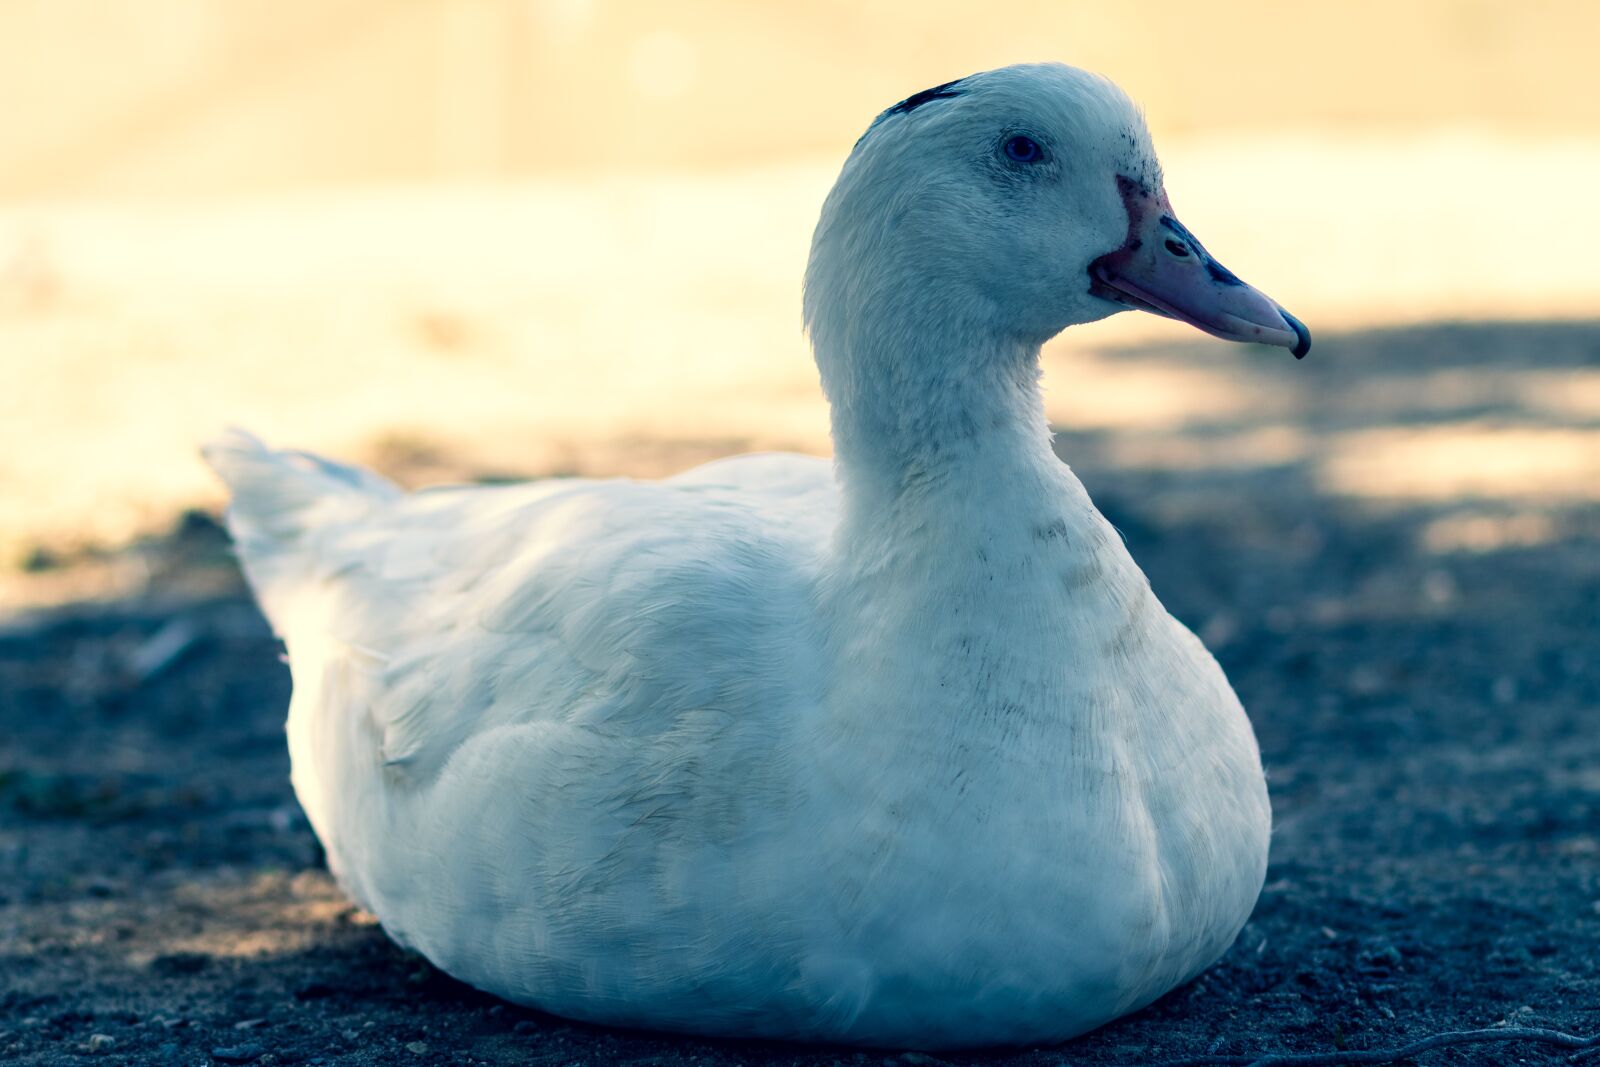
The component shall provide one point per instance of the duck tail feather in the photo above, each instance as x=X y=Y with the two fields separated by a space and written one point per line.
x=280 y=495
x=281 y=500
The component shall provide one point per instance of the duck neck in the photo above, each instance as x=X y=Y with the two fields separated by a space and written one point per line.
x=926 y=412
x=968 y=562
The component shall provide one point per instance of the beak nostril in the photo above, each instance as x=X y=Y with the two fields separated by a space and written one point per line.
x=1177 y=248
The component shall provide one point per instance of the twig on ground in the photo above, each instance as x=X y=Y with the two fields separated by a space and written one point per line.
x=168 y=645
x=1403 y=1052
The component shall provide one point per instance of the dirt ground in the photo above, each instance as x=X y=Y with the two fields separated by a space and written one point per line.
x=1413 y=634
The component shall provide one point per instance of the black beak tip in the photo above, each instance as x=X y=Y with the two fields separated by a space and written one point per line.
x=1302 y=335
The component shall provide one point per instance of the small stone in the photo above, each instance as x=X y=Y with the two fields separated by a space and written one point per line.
x=101 y=1043
x=180 y=963
x=418 y=1047
x=1383 y=960
x=1219 y=630
x=1439 y=588
x=249 y=1024
x=238 y=1053
x=528 y=1026
x=1366 y=681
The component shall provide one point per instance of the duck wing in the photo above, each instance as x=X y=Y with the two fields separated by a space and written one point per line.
x=436 y=615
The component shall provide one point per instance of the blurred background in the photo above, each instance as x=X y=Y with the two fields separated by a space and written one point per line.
x=485 y=239
x=461 y=237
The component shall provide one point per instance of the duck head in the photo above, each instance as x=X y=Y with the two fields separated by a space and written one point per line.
x=1015 y=203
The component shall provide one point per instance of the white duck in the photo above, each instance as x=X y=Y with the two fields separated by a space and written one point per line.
x=899 y=750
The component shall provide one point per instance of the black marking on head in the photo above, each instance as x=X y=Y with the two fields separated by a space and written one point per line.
x=916 y=100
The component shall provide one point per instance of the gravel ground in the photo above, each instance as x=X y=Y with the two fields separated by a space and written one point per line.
x=1422 y=668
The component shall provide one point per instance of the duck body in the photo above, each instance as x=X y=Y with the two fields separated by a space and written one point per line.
x=898 y=751
x=569 y=757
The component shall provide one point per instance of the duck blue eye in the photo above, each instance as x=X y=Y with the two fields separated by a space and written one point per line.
x=1024 y=150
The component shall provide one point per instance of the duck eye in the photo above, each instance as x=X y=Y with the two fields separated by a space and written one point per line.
x=1024 y=150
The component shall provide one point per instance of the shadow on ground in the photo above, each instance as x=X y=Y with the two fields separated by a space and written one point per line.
x=1412 y=628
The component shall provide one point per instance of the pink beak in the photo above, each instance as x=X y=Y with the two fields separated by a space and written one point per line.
x=1161 y=268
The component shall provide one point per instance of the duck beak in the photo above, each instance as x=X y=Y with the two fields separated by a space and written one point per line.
x=1163 y=269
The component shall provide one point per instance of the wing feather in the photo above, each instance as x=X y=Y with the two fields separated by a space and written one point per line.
x=465 y=610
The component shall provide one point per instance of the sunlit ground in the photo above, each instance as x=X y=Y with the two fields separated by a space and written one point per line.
x=643 y=322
